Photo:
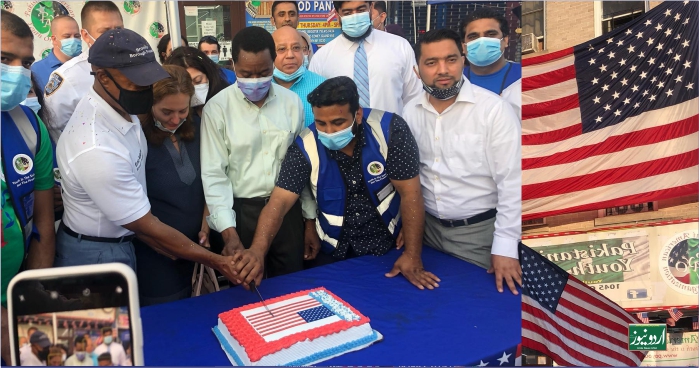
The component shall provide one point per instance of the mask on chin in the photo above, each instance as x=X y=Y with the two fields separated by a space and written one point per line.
x=444 y=93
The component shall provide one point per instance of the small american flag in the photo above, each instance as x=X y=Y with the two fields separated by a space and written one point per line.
x=675 y=314
x=613 y=121
x=332 y=15
x=695 y=323
x=643 y=316
x=569 y=321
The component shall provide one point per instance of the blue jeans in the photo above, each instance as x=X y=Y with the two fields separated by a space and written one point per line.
x=73 y=252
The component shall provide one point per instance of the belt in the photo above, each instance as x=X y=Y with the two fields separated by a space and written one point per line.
x=487 y=215
x=253 y=201
x=123 y=239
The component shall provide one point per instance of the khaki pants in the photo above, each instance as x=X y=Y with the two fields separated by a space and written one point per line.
x=472 y=243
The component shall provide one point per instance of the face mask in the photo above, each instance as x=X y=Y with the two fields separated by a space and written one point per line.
x=63 y=358
x=305 y=61
x=338 y=140
x=16 y=83
x=80 y=355
x=133 y=102
x=356 y=24
x=72 y=46
x=32 y=103
x=199 y=96
x=43 y=354
x=255 y=89
x=378 y=26
x=289 y=77
x=89 y=35
x=107 y=340
x=483 y=51
x=164 y=129
x=446 y=93
x=214 y=58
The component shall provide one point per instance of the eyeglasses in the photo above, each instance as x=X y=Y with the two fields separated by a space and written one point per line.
x=284 y=49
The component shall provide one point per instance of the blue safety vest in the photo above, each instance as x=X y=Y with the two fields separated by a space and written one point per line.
x=21 y=140
x=328 y=186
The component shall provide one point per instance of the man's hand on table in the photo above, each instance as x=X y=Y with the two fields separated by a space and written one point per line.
x=249 y=265
x=411 y=268
x=508 y=269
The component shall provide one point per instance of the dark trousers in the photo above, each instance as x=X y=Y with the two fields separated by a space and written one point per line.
x=285 y=255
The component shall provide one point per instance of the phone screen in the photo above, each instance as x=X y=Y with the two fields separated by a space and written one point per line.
x=80 y=320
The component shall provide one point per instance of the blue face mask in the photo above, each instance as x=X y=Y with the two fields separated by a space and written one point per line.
x=305 y=61
x=338 y=140
x=71 y=46
x=214 y=58
x=356 y=25
x=32 y=103
x=16 y=83
x=254 y=89
x=483 y=51
x=289 y=77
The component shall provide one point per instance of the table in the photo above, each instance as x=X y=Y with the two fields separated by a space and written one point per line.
x=463 y=322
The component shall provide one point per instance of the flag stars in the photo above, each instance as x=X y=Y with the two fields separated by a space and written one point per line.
x=634 y=88
x=595 y=81
x=651 y=61
x=633 y=68
x=677 y=16
x=622 y=62
x=654 y=79
x=614 y=75
x=616 y=95
x=591 y=61
x=617 y=112
x=677 y=57
x=650 y=41
x=505 y=358
x=598 y=119
x=669 y=52
x=627 y=101
x=668 y=32
x=659 y=27
x=596 y=99
x=624 y=82
x=678 y=79
x=639 y=35
x=603 y=68
x=636 y=105
x=661 y=84
x=600 y=51
x=610 y=40
x=685 y=43
x=605 y=87
x=641 y=54
x=629 y=31
x=648 y=22
x=687 y=64
x=686 y=20
x=669 y=92
x=645 y=93
x=643 y=75
x=620 y=43
x=652 y=98
x=689 y=86
x=607 y=107
x=667 y=13
x=631 y=49
x=668 y=71
x=611 y=55
x=659 y=47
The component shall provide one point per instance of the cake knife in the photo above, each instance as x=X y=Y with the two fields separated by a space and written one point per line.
x=254 y=287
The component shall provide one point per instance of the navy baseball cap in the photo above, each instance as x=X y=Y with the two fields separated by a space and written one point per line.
x=127 y=51
x=40 y=339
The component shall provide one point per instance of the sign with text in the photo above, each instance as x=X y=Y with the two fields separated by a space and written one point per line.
x=682 y=351
x=208 y=28
x=647 y=337
x=313 y=19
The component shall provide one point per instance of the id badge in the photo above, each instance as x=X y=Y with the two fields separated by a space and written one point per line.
x=385 y=192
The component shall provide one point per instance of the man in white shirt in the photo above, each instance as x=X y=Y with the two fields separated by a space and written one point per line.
x=39 y=352
x=80 y=357
x=379 y=62
x=71 y=81
x=470 y=155
x=245 y=132
x=102 y=157
x=112 y=347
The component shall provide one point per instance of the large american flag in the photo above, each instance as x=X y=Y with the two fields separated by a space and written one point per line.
x=613 y=121
x=570 y=322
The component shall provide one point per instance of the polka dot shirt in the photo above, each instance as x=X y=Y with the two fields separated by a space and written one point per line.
x=363 y=230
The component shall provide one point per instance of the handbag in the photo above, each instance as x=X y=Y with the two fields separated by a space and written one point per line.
x=204 y=280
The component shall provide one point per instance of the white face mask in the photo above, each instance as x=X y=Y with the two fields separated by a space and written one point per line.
x=199 y=96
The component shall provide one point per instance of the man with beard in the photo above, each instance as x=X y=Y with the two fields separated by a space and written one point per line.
x=470 y=162
x=382 y=64
x=40 y=345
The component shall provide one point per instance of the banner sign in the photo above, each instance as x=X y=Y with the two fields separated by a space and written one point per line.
x=147 y=18
x=682 y=351
x=313 y=19
x=636 y=268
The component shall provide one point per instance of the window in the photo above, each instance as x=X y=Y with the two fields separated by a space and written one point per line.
x=617 y=13
x=533 y=20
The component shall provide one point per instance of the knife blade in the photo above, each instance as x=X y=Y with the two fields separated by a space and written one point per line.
x=254 y=287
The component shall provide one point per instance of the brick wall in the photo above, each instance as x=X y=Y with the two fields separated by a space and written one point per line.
x=568 y=23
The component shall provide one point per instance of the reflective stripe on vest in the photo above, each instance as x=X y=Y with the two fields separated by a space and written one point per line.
x=327 y=183
x=20 y=142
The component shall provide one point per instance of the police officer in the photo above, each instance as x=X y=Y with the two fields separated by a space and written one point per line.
x=65 y=38
x=27 y=155
x=69 y=83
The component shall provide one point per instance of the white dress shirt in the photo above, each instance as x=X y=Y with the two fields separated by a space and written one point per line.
x=27 y=357
x=392 y=80
x=66 y=87
x=115 y=350
x=102 y=158
x=513 y=95
x=470 y=161
x=242 y=147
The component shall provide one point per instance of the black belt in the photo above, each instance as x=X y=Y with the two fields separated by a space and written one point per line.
x=123 y=239
x=260 y=201
x=487 y=215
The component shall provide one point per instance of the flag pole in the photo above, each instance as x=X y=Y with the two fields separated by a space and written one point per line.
x=173 y=15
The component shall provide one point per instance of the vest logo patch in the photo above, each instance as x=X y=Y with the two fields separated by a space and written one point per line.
x=22 y=164
x=57 y=175
x=55 y=82
x=375 y=168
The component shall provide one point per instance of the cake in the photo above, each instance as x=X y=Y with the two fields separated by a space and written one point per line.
x=308 y=327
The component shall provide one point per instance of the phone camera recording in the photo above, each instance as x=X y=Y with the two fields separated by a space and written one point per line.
x=118 y=289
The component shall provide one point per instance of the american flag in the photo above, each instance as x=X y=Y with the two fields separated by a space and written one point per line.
x=570 y=322
x=695 y=323
x=675 y=314
x=294 y=315
x=613 y=121
x=332 y=15
x=643 y=316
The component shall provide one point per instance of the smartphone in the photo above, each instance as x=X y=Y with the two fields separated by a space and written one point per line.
x=75 y=316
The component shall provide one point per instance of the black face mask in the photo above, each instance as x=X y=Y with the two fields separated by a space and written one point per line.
x=133 y=102
x=446 y=93
x=43 y=354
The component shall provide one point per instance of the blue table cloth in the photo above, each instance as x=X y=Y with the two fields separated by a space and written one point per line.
x=463 y=322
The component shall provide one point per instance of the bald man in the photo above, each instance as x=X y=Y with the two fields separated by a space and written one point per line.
x=289 y=71
x=65 y=38
x=69 y=83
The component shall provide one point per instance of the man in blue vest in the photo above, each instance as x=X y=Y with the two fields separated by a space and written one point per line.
x=27 y=162
x=362 y=166
x=484 y=34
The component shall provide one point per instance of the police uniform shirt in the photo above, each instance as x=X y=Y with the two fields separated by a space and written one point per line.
x=66 y=87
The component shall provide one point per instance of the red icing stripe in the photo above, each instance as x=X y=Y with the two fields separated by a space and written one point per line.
x=254 y=344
